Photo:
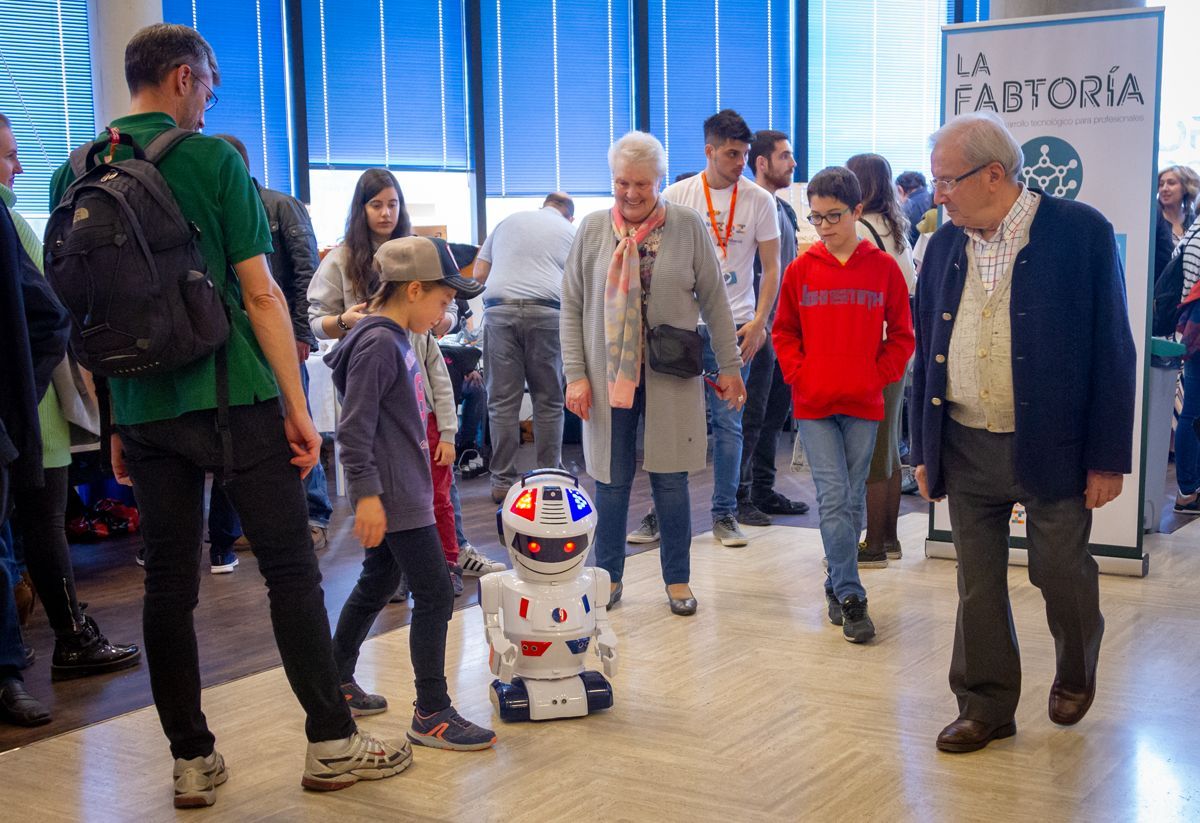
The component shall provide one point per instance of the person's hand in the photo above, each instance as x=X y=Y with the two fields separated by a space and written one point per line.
x=579 y=398
x=473 y=378
x=1102 y=488
x=302 y=350
x=370 y=521
x=117 y=456
x=353 y=314
x=753 y=337
x=444 y=325
x=302 y=436
x=443 y=455
x=732 y=390
x=923 y=484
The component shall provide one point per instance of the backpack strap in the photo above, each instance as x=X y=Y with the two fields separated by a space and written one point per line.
x=79 y=159
x=162 y=144
x=875 y=234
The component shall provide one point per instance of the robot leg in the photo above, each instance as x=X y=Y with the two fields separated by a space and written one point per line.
x=599 y=690
x=511 y=700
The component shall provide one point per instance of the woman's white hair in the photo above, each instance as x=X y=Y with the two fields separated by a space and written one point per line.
x=638 y=148
x=984 y=139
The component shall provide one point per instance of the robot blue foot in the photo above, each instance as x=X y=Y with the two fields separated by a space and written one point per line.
x=513 y=701
x=599 y=691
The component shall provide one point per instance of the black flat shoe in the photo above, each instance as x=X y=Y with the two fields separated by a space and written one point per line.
x=684 y=607
x=776 y=503
x=89 y=653
x=19 y=706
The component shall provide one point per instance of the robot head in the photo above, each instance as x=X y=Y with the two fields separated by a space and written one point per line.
x=547 y=522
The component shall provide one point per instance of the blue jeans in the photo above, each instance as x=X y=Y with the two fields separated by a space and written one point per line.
x=668 y=490
x=1187 y=446
x=454 y=501
x=12 y=649
x=839 y=450
x=224 y=527
x=727 y=439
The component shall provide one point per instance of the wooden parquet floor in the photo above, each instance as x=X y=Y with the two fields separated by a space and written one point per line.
x=753 y=710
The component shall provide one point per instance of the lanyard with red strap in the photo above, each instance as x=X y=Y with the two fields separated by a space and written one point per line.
x=722 y=242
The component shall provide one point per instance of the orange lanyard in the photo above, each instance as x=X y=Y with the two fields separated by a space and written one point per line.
x=722 y=243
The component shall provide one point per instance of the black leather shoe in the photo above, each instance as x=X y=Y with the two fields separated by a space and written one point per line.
x=965 y=735
x=1069 y=705
x=750 y=515
x=683 y=606
x=89 y=653
x=19 y=706
x=615 y=596
x=776 y=503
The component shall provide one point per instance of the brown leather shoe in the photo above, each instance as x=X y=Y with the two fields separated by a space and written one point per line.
x=1069 y=705
x=965 y=735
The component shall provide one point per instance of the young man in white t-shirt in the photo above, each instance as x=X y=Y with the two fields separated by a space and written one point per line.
x=742 y=221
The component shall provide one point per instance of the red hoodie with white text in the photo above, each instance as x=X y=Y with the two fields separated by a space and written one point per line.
x=829 y=331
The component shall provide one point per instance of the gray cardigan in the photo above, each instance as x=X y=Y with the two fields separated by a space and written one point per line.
x=685 y=286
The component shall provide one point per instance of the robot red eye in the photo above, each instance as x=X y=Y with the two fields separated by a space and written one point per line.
x=534 y=546
x=570 y=547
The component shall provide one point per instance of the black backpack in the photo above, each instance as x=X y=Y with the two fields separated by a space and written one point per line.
x=124 y=261
x=1168 y=294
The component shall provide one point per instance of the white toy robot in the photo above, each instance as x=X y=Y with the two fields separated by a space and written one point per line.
x=541 y=616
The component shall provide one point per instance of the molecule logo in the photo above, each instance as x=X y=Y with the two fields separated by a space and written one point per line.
x=1054 y=166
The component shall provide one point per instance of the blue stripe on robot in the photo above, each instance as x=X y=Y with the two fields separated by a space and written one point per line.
x=578 y=646
x=580 y=507
x=587 y=607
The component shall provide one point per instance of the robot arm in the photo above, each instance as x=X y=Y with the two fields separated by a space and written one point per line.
x=606 y=639
x=503 y=656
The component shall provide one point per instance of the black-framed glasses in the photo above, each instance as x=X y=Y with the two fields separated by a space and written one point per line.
x=832 y=218
x=946 y=185
x=211 y=100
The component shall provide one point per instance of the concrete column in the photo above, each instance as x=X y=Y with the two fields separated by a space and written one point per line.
x=112 y=23
x=1006 y=9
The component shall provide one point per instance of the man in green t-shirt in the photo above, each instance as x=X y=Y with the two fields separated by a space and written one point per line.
x=167 y=439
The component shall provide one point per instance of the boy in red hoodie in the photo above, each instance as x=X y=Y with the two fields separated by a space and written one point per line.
x=835 y=302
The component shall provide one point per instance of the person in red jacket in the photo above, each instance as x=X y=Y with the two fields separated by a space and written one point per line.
x=843 y=331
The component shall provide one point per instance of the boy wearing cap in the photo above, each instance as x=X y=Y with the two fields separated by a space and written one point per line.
x=385 y=451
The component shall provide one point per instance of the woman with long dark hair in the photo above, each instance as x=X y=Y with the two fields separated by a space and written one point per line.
x=883 y=223
x=339 y=290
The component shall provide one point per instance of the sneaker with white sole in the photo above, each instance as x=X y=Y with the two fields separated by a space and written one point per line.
x=448 y=729
x=475 y=564
x=320 y=536
x=856 y=623
x=222 y=562
x=336 y=764
x=726 y=530
x=196 y=780
x=646 y=532
x=362 y=702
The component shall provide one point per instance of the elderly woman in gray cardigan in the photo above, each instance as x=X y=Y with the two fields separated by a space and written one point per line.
x=646 y=263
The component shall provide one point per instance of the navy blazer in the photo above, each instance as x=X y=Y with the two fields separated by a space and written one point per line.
x=1073 y=358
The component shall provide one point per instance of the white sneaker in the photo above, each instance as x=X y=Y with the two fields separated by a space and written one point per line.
x=320 y=537
x=336 y=764
x=475 y=564
x=726 y=530
x=196 y=780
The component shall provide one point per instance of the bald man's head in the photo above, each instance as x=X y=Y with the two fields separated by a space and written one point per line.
x=561 y=201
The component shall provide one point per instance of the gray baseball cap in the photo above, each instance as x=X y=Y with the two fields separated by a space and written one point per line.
x=426 y=259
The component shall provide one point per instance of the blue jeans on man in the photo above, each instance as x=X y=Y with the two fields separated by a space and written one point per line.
x=726 y=439
x=839 y=450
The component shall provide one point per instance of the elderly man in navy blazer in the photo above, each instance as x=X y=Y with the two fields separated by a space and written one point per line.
x=1023 y=390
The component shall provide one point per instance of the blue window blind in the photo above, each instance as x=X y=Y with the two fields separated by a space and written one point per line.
x=254 y=99
x=874 y=74
x=45 y=88
x=974 y=11
x=556 y=93
x=707 y=55
x=385 y=83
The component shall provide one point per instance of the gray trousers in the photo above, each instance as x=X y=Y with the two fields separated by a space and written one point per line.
x=981 y=488
x=521 y=345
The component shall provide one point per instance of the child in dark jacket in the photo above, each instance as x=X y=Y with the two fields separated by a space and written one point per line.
x=829 y=337
x=385 y=451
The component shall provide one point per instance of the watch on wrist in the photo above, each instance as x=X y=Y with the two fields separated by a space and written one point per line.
x=342 y=324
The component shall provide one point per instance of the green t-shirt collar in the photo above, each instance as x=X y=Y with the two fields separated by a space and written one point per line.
x=149 y=118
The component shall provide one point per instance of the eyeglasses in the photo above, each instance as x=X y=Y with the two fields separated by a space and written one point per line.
x=211 y=100
x=947 y=185
x=832 y=218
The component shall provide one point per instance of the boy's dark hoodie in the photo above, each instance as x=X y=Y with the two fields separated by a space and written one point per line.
x=829 y=328
x=384 y=448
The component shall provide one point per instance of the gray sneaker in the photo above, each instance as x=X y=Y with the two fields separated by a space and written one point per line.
x=646 y=532
x=336 y=764
x=835 y=608
x=726 y=529
x=320 y=536
x=196 y=780
x=360 y=702
x=871 y=557
x=893 y=549
x=856 y=623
